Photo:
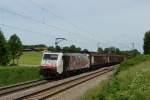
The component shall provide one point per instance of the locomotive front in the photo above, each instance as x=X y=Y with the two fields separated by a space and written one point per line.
x=51 y=64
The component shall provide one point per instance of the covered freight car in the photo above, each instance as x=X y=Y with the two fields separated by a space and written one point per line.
x=102 y=60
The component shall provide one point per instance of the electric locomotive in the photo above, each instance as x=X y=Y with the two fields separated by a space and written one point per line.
x=59 y=63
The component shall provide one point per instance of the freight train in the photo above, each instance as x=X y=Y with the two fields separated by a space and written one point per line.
x=61 y=63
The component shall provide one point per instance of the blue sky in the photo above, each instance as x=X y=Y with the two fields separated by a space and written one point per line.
x=85 y=23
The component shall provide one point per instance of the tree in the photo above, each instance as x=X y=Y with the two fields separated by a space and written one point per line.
x=109 y=50
x=85 y=50
x=40 y=46
x=52 y=49
x=117 y=51
x=71 y=49
x=112 y=50
x=4 y=54
x=146 y=46
x=134 y=52
x=100 y=50
x=58 y=48
x=78 y=49
x=66 y=49
x=15 y=47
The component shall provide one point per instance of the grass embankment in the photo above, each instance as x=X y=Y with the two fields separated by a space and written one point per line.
x=16 y=74
x=12 y=75
x=30 y=58
x=131 y=82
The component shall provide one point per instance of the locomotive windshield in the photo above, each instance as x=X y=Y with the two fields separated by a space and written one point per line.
x=50 y=57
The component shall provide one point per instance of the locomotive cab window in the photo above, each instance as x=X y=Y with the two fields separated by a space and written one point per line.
x=50 y=57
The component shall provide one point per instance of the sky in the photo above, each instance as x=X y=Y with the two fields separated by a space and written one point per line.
x=85 y=23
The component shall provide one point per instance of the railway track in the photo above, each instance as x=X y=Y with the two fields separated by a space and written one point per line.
x=43 y=90
x=46 y=93
x=14 y=88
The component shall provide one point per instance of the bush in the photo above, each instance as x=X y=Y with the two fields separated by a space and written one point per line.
x=130 y=83
x=131 y=62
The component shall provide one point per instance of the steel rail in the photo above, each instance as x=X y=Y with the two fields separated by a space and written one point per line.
x=17 y=87
x=53 y=90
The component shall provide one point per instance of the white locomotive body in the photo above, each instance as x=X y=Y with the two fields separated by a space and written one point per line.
x=58 y=63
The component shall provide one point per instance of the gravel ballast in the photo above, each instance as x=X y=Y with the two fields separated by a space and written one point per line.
x=77 y=91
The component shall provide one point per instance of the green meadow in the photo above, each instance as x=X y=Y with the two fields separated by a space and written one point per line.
x=15 y=74
x=30 y=58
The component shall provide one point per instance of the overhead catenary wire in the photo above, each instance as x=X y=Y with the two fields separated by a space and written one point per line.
x=28 y=18
x=23 y=29
x=34 y=20
x=88 y=34
x=35 y=32
x=45 y=35
x=37 y=21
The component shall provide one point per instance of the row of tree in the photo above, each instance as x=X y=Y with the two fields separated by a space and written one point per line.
x=10 y=49
x=71 y=48
x=38 y=47
x=146 y=48
x=109 y=50
x=42 y=47
x=113 y=50
x=74 y=49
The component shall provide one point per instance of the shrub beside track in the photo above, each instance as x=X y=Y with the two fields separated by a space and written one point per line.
x=131 y=82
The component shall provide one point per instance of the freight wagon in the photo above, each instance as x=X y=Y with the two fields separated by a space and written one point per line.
x=102 y=60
